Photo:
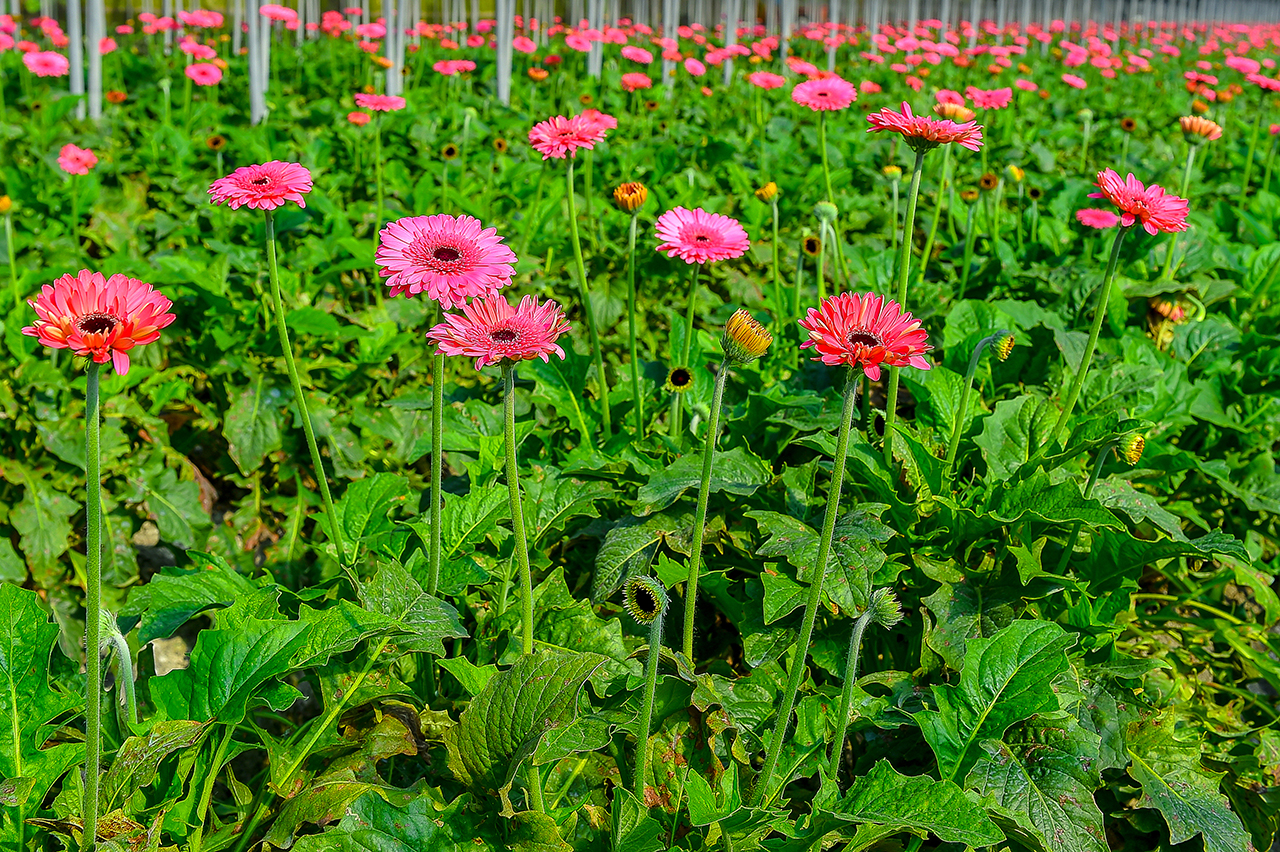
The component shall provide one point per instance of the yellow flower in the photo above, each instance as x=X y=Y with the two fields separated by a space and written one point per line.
x=744 y=339
x=1130 y=448
x=6 y=204
x=631 y=196
x=768 y=192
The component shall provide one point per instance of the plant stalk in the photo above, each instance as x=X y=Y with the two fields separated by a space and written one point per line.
x=596 y=351
x=93 y=608
x=700 y=514
x=846 y=692
x=1173 y=238
x=904 y=264
x=954 y=444
x=646 y=707
x=517 y=509
x=437 y=468
x=637 y=401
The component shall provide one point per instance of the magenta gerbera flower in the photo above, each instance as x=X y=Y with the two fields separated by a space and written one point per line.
x=1156 y=210
x=767 y=80
x=601 y=122
x=450 y=258
x=923 y=132
x=559 y=136
x=265 y=186
x=1094 y=218
x=99 y=318
x=76 y=161
x=46 y=63
x=824 y=93
x=492 y=331
x=865 y=331
x=696 y=236
x=380 y=103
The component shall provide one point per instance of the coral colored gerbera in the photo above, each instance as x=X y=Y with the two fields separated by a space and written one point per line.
x=1094 y=218
x=637 y=54
x=923 y=132
x=46 y=63
x=559 y=137
x=1156 y=210
x=265 y=186
x=634 y=81
x=766 y=80
x=380 y=103
x=1073 y=81
x=865 y=331
x=601 y=121
x=204 y=73
x=696 y=236
x=359 y=119
x=492 y=331
x=76 y=161
x=1198 y=129
x=450 y=258
x=99 y=318
x=825 y=94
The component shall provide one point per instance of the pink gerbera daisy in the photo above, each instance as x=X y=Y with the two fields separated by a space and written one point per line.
x=923 y=132
x=450 y=258
x=601 y=121
x=46 y=63
x=99 y=318
x=1156 y=210
x=637 y=54
x=865 y=331
x=634 y=81
x=262 y=187
x=359 y=119
x=379 y=103
x=993 y=99
x=767 y=80
x=826 y=93
x=559 y=136
x=696 y=236
x=204 y=73
x=1094 y=218
x=1073 y=81
x=492 y=331
x=76 y=161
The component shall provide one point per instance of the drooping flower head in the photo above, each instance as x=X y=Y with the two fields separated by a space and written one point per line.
x=696 y=236
x=1153 y=208
x=380 y=103
x=264 y=186
x=492 y=331
x=450 y=258
x=825 y=94
x=1198 y=129
x=1093 y=218
x=923 y=132
x=76 y=161
x=99 y=318
x=864 y=330
x=954 y=112
x=559 y=137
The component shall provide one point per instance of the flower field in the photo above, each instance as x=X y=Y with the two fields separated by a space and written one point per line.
x=521 y=435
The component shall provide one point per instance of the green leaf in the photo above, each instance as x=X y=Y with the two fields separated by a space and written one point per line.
x=174 y=504
x=1166 y=762
x=371 y=824
x=564 y=622
x=1117 y=557
x=1041 y=778
x=1005 y=439
x=562 y=384
x=736 y=471
x=968 y=610
x=552 y=500
x=138 y=759
x=421 y=621
x=629 y=547
x=43 y=522
x=252 y=425
x=169 y=600
x=1059 y=503
x=364 y=508
x=507 y=720
x=1005 y=679
x=637 y=831
x=29 y=705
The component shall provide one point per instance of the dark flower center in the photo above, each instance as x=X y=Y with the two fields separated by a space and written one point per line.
x=680 y=377
x=446 y=254
x=702 y=238
x=261 y=181
x=862 y=337
x=502 y=335
x=645 y=601
x=97 y=323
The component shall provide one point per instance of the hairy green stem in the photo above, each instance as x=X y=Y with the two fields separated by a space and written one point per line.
x=1088 y=492
x=596 y=351
x=904 y=269
x=13 y=266
x=637 y=401
x=646 y=706
x=124 y=662
x=1253 y=144
x=846 y=692
x=764 y=783
x=1186 y=183
x=822 y=143
x=970 y=239
x=517 y=508
x=777 y=280
x=700 y=514
x=93 y=608
x=1073 y=392
x=965 y=391
x=377 y=167
x=206 y=794
x=675 y=418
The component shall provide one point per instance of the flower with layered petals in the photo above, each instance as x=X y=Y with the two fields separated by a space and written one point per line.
x=491 y=331
x=865 y=330
x=380 y=103
x=696 y=236
x=825 y=94
x=559 y=137
x=450 y=258
x=766 y=80
x=1153 y=208
x=634 y=81
x=76 y=161
x=99 y=318
x=637 y=54
x=204 y=73
x=601 y=121
x=1093 y=218
x=1073 y=81
x=923 y=132
x=1198 y=129
x=46 y=63
x=993 y=99
x=264 y=186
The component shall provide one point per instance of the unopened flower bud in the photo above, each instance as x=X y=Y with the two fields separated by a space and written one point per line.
x=884 y=608
x=969 y=195
x=1130 y=447
x=744 y=339
x=768 y=192
x=645 y=599
x=826 y=212
x=631 y=196
x=6 y=204
x=892 y=172
x=1003 y=344
x=1197 y=129
x=1015 y=174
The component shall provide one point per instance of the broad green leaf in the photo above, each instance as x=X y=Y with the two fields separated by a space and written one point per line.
x=1042 y=777
x=421 y=621
x=532 y=831
x=504 y=723
x=371 y=824
x=1005 y=439
x=1005 y=679
x=363 y=509
x=963 y=611
x=29 y=705
x=170 y=599
x=637 y=831
x=736 y=471
x=1117 y=557
x=174 y=504
x=630 y=546
x=562 y=621
x=252 y=425
x=43 y=522
x=1166 y=762
x=138 y=758
x=562 y=384
x=551 y=500
x=1036 y=498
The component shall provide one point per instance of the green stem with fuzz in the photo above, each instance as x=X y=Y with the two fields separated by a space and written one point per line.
x=1088 y=492
x=308 y=429
x=970 y=239
x=1266 y=174
x=1253 y=144
x=73 y=221
x=377 y=165
x=646 y=707
x=777 y=280
x=1073 y=392
x=93 y=608
x=517 y=509
x=596 y=351
x=437 y=467
x=700 y=514
x=1186 y=182
x=206 y=794
x=637 y=401
x=904 y=269
x=13 y=266
x=846 y=692
x=764 y=784
x=822 y=143
x=675 y=418
x=124 y=662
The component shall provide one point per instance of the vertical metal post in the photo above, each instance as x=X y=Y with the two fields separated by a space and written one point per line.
x=504 y=32
x=97 y=32
x=75 y=35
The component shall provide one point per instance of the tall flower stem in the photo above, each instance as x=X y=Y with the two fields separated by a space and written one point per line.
x=1100 y=312
x=764 y=784
x=822 y=256
x=93 y=608
x=954 y=444
x=646 y=706
x=596 y=351
x=377 y=166
x=1186 y=182
x=686 y=346
x=777 y=280
x=437 y=467
x=822 y=143
x=13 y=266
x=73 y=220
x=894 y=230
x=1253 y=145
x=1266 y=174
x=637 y=401
x=533 y=211
x=846 y=693
x=700 y=514
x=206 y=794
x=1094 y=472
x=517 y=509
x=970 y=239
x=904 y=269
x=286 y=346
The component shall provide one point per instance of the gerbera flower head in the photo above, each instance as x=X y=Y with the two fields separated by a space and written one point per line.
x=1153 y=208
x=76 y=161
x=954 y=112
x=46 y=63
x=696 y=236
x=864 y=330
x=99 y=318
x=492 y=331
x=1094 y=218
x=380 y=103
x=450 y=258
x=825 y=94
x=204 y=73
x=264 y=186
x=766 y=80
x=359 y=119
x=601 y=121
x=633 y=81
x=922 y=132
x=992 y=99
x=560 y=137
